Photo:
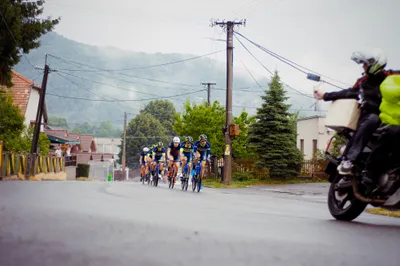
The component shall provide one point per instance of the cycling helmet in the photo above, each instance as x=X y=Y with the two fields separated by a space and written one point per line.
x=145 y=149
x=374 y=58
x=203 y=137
x=160 y=144
x=176 y=140
x=189 y=139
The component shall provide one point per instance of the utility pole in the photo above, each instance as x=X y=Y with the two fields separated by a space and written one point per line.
x=208 y=91
x=227 y=178
x=31 y=162
x=124 y=149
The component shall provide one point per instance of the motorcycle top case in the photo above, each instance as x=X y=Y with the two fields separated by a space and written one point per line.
x=343 y=114
x=390 y=106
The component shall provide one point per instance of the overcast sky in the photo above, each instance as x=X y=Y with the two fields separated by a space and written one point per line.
x=318 y=34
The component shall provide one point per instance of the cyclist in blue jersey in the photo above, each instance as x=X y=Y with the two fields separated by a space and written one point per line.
x=144 y=158
x=173 y=153
x=158 y=157
x=186 y=154
x=202 y=149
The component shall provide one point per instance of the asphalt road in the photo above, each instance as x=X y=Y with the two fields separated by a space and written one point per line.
x=127 y=223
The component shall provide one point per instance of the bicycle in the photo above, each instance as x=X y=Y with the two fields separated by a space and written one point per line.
x=173 y=175
x=185 y=178
x=155 y=177
x=146 y=176
x=196 y=179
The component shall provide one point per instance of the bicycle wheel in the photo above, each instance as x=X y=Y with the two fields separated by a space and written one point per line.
x=156 y=181
x=183 y=182
x=186 y=183
x=194 y=184
x=198 y=185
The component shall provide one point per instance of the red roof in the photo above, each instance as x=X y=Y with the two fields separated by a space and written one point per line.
x=21 y=91
x=87 y=143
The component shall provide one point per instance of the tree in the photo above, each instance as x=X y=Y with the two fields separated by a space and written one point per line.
x=106 y=129
x=11 y=121
x=20 y=29
x=164 y=111
x=144 y=130
x=240 y=144
x=15 y=135
x=199 y=119
x=273 y=135
x=84 y=128
x=58 y=122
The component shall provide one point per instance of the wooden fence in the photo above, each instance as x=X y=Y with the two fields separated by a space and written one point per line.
x=310 y=169
x=15 y=164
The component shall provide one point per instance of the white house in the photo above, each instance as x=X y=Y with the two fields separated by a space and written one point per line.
x=26 y=96
x=108 y=145
x=312 y=135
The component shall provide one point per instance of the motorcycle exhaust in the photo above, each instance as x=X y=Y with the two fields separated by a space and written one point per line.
x=361 y=197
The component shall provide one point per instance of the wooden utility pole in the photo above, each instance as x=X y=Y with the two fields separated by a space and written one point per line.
x=227 y=177
x=31 y=162
x=124 y=150
x=208 y=90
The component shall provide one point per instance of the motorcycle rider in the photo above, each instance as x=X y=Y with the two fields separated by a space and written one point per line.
x=378 y=160
x=367 y=91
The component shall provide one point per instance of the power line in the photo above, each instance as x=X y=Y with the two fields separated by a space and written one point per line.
x=128 y=75
x=253 y=55
x=290 y=87
x=84 y=87
x=248 y=71
x=151 y=66
x=289 y=62
x=138 y=100
x=105 y=84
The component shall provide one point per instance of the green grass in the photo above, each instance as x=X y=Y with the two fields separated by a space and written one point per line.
x=244 y=184
x=380 y=211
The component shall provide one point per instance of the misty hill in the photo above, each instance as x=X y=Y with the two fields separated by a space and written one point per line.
x=107 y=75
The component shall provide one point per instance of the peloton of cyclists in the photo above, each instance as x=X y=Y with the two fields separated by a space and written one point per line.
x=186 y=152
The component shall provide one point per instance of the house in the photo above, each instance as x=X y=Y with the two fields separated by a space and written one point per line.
x=26 y=96
x=109 y=145
x=312 y=135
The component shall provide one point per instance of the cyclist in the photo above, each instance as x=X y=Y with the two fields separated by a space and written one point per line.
x=202 y=149
x=173 y=152
x=142 y=161
x=158 y=158
x=186 y=153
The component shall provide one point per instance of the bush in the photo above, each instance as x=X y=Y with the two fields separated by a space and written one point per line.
x=82 y=170
x=241 y=176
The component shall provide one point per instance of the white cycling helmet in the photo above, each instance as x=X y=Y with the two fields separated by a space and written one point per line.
x=176 y=140
x=374 y=58
x=145 y=149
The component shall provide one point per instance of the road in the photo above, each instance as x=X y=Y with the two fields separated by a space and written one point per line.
x=127 y=223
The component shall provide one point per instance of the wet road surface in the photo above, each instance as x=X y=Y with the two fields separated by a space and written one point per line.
x=127 y=223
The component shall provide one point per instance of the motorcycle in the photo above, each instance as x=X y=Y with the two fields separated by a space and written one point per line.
x=352 y=189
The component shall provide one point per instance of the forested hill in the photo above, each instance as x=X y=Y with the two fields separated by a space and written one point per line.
x=115 y=81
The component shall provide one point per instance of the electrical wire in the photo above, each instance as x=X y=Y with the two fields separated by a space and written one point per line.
x=109 y=85
x=253 y=55
x=128 y=75
x=150 y=66
x=137 y=100
x=289 y=62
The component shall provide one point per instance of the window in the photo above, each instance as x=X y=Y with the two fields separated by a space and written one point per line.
x=302 y=146
x=315 y=146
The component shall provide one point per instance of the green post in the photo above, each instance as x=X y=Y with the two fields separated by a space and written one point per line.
x=109 y=177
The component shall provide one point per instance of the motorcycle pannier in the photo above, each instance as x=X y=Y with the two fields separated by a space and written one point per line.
x=343 y=114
